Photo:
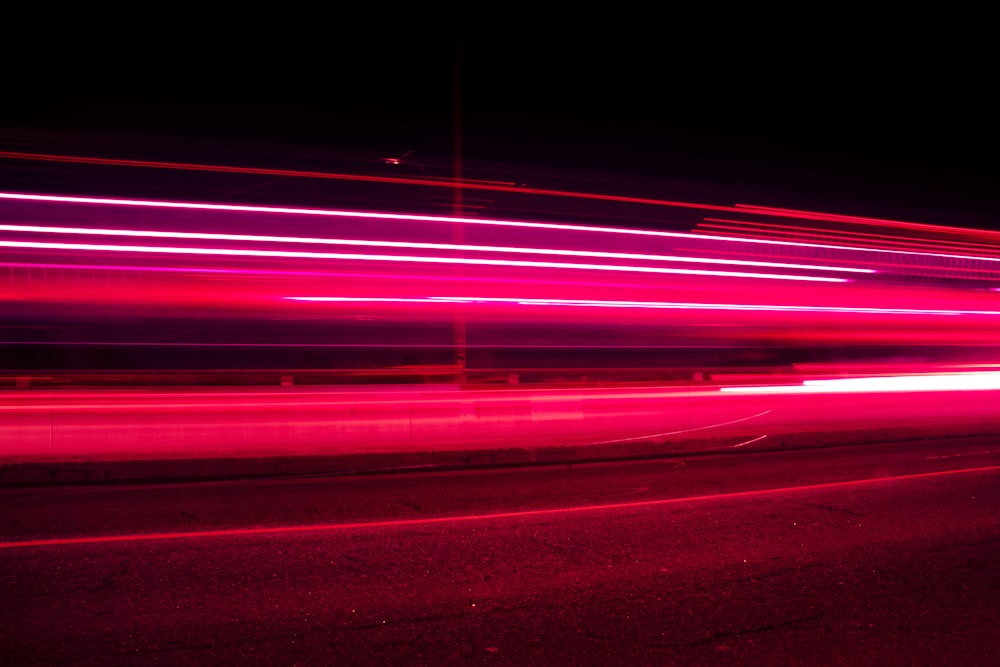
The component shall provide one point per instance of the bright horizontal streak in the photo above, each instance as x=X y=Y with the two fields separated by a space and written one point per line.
x=900 y=383
x=838 y=217
x=949 y=382
x=232 y=252
x=221 y=401
x=205 y=236
x=667 y=305
x=365 y=299
x=330 y=213
x=827 y=246
x=457 y=220
x=454 y=220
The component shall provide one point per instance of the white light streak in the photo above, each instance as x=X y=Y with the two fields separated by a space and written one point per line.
x=897 y=383
x=233 y=252
x=206 y=236
x=665 y=305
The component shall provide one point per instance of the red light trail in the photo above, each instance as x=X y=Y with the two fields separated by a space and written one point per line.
x=498 y=516
x=462 y=184
x=234 y=252
x=486 y=186
x=658 y=305
x=901 y=383
x=455 y=220
x=416 y=245
x=207 y=288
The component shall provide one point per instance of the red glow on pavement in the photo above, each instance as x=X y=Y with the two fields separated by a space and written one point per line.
x=408 y=523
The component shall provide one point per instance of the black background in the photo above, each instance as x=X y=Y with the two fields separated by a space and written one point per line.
x=843 y=111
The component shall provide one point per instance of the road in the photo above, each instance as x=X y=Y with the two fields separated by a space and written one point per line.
x=881 y=554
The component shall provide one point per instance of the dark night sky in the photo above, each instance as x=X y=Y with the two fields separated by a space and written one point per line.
x=894 y=114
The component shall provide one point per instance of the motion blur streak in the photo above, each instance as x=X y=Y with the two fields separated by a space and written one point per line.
x=232 y=252
x=904 y=383
x=835 y=217
x=449 y=219
x=198 y=423
x=428 y=246
x=409 y=523
x=467 y=184
x=428 y=182
x=839 y=240
x=646 y=304
x=221 y=328
x=829 y=246
x=690 y=430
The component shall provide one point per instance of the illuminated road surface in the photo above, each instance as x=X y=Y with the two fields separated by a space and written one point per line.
x=863 y=555
x=148 y=424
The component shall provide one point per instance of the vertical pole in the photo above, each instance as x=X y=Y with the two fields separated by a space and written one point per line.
x=457 y=203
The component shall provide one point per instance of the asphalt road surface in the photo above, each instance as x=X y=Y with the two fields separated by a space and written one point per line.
x=880 y=554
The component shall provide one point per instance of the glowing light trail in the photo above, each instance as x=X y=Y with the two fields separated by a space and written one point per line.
x=466 y=518
x=687 y=430
x=467 y=184
x=843 y=241
x=748 y=442
x=233 y=252
x=829 y=246
x=458 y=220
x=987 y=381
x=837 y=217
x=464 y=184
x=203 y=236
x=668 y=305
x=844 y=236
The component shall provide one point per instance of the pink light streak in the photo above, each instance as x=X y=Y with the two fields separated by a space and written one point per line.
x=748 y=442
x=506 y=186
x=208 y=401
x=845 y=236
x=232 y=252
x=414 y=245
x=707 y=427
x=471 y=184
x=666 y=305
x=986 y=381
x=197 y=206
x=459 y=220
x=836 y=217
x=830 y=246
x=464 y=184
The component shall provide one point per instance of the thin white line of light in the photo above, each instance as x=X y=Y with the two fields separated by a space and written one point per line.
x=449 y=219
x=900 y=383
x=231 y=252
x=667 y=305
x=687 y=430
x=205 y=236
